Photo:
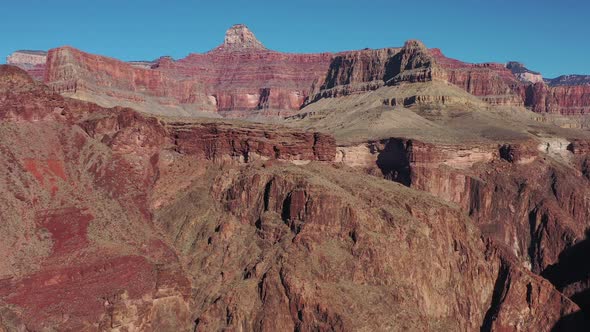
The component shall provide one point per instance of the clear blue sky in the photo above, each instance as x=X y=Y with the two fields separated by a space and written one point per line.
x=550 y=36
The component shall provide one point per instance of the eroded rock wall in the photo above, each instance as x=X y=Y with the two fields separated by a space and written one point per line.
x=114 y=220
x=241 y=76
x=530 y=197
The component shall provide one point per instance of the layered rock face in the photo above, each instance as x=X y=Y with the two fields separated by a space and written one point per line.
x=496 y=84
x=215 y=141
x=561 y=99
x=528 y=196
x=114 y=220
x=242 y=78
x=492 y=82
x=367 y=70
x=31 y=61
x=112 y=82
x=355 y=73
x=255 y=80
x=240 y=75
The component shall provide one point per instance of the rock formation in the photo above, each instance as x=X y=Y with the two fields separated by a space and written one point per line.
x=31 y=61
x=240 y=75
x=523 y=73
x=522 y=181
x=242 y=78
x=240 y=38
x=117 y=220
x=561 y=99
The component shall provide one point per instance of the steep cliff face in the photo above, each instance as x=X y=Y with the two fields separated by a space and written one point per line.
x=242 y=78
x=113 y=220
x=530 y=197
x=367 y=70
x=262 y=259
x=355 y=72
x=562 y=99
x=492 y=82
x=517 y=194
x=496 y=84
x=34 y=62
x=240 y=75
x=110 y=82
x=253 y=79
x=215 y=141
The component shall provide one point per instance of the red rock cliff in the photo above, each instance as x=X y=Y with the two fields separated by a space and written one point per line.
x=242 y=77
x=493 y=82
x=239 y=75
x=563 y=99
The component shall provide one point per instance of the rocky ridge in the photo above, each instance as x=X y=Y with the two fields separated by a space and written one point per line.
x=241 y=78
x=569 y=80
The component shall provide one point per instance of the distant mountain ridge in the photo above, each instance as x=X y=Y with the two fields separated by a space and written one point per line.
x=569 y=80
x=242 y=78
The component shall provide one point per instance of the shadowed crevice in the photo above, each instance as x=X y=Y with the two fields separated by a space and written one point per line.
x=577 y=321
x=501 y=288
x=394 y=161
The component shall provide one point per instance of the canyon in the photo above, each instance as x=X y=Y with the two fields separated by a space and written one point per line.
x=249 y=189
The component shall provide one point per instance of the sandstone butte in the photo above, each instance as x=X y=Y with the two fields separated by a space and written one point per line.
x=399 y=190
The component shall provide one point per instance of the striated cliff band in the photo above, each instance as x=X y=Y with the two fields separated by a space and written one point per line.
x=242 y=78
